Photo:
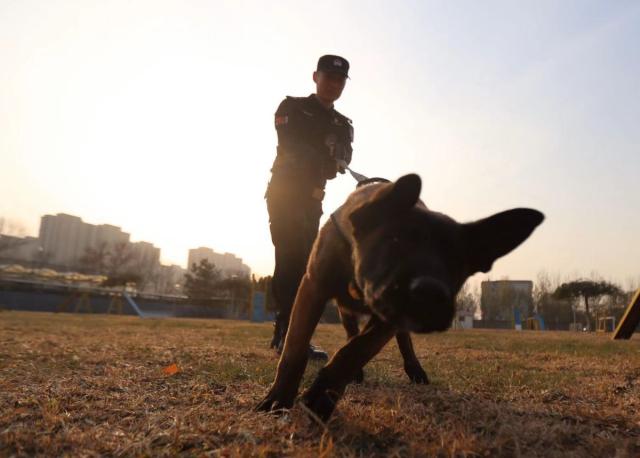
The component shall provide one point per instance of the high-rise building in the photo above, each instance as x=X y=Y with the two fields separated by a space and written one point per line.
x=228 y=263
x=169 y=280
x=144 y=254
x=65 y=239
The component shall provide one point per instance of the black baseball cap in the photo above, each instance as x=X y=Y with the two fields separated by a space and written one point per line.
x=333 y=64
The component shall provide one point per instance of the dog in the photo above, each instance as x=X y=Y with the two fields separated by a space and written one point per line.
x=384 y=254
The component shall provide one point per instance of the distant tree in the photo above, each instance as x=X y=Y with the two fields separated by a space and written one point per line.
x=115 y=262
x=167 y=281
x=122 y=279
x=11 y=235
x=201 y=282
x=263 y=284
x=586 y=290
x=9 y=227
x=8 y=242
x=119 y=259
x=557 y=313
x=633 y=284
x=466 y=300
x=543 y=289
x=260 y=284
x=147 y=271
x=238 y=289
x=94 y=259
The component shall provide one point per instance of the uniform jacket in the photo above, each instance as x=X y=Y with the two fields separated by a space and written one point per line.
x=310 y=140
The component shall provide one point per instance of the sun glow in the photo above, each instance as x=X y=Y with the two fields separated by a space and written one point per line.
x=157 y=117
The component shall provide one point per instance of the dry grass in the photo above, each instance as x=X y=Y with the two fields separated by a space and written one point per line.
x=87 y=385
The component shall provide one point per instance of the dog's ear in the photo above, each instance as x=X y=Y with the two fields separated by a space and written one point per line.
x=391 y=200
x=488 y=239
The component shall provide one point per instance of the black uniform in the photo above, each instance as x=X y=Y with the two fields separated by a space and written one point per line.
x=311 y=139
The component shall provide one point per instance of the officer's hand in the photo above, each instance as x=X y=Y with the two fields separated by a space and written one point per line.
x=342 y=166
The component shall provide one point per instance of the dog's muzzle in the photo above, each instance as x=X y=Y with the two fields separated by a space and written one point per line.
x=430 y=307
x=423 y=305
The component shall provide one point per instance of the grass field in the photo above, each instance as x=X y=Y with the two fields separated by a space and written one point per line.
x=87 y=385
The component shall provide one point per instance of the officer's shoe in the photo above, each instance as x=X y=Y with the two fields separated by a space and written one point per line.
x=317 y=354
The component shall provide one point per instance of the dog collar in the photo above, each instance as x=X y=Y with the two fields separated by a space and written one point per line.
x=343 y=236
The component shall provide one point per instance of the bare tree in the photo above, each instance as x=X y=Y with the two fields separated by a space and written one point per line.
x=586 y=290
x=11 y=234
x=95 y=258
x=119 y=259
x=9 y=227
x=556 y=312
x=466 y=300
x=633 y=284
x=148 y=272
x=543 y=289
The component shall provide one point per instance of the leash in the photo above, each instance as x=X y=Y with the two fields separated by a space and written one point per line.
x=357 y=176
x=363 y=180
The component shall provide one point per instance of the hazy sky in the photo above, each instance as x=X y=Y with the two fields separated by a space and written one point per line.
x=157 y=116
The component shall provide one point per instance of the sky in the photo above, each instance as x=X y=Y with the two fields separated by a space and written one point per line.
x=157 y=117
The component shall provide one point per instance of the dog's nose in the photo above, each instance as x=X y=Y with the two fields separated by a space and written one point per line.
x=431 y=305
x=429 y=289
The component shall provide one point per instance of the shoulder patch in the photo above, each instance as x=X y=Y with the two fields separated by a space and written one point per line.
x=281 y=120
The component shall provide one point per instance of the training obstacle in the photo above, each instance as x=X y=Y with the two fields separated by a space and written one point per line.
x=606 y=324
x=141 y=313
x=630 y=319
x=80 y=298
x=535 y=323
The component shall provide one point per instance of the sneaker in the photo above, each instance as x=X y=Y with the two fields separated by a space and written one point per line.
x=317 y=354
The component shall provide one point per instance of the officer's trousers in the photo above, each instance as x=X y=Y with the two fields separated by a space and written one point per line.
x=294 y=218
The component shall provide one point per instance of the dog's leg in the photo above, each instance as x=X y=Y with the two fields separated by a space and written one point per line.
x=307 y=309
x=350 y=324
x=326 y=390
x=411 y=364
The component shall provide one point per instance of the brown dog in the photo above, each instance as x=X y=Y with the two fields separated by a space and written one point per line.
x=384 y=254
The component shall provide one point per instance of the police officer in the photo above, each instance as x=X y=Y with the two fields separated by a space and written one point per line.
x=314 y=144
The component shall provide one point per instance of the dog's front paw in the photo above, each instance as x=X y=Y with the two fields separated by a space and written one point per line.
x=321 y=402
x=416 y=374
x=275 y=402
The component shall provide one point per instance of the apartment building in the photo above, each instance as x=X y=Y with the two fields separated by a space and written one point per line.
x=228 y=263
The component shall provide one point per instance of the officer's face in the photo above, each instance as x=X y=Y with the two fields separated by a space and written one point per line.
x=329 y=85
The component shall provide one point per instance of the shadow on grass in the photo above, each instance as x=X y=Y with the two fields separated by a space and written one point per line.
x=400 y=419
